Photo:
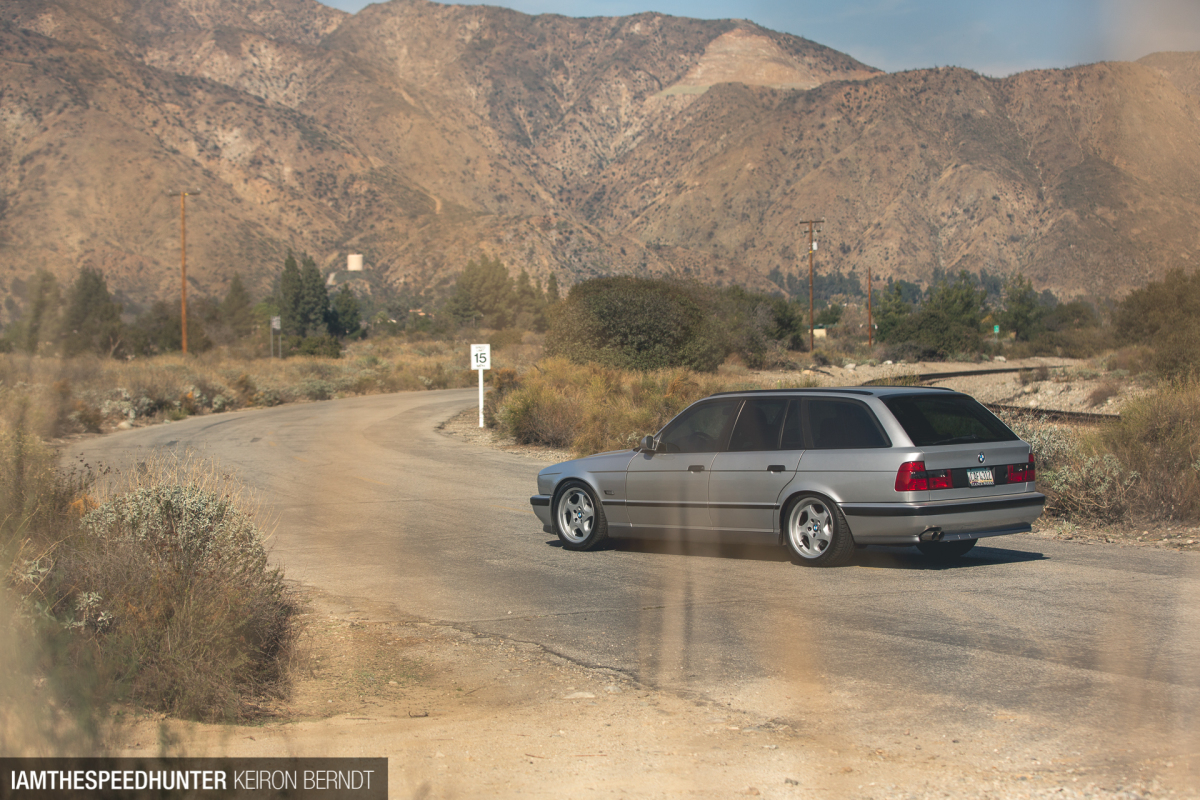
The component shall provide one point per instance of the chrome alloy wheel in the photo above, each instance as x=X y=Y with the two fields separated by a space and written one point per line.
x=576 y=515
x=810 y=528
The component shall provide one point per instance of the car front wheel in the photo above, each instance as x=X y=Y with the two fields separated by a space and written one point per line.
x=578 y=518
x=946 y=551
x=816 y=532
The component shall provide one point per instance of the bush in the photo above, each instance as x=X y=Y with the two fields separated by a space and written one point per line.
x=1078 y=483
x=630 y=323
x=1159 y=436
x=1166 y=315
x=173 y=587
x=591 y=408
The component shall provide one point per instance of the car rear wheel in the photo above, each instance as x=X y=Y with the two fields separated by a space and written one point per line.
x=946 y=551
x=816 y=532
x=579 y=520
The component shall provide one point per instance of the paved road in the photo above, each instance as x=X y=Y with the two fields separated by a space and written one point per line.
x=1090 y=649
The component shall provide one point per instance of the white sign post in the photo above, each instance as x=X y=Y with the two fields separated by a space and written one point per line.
x=481 y=359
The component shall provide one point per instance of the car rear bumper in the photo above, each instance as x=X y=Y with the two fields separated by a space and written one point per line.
x=905 y=523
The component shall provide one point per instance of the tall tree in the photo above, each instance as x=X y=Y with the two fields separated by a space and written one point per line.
x=92 y=322
x=344 y=318
x=41 y=315
x=237 y=309
x=314 y=300
x=289 y=298
x=1023 y=312
x=484 y=294
x=529 y=303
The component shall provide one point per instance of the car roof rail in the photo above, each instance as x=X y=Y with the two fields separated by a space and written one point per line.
x=815 y=390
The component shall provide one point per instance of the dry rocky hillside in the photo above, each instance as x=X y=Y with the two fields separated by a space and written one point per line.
x=422 y=134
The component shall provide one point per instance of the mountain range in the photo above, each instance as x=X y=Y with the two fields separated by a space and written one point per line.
x=423 y=135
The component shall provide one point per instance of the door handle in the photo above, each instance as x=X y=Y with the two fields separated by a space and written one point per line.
x=775 y=467
x=696 y=468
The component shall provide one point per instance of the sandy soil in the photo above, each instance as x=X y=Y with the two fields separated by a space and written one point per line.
x=460 y=715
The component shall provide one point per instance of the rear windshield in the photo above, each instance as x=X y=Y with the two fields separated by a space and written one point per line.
x=933 y=419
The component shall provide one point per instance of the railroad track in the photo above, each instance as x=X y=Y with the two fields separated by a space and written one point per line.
x=1054 y=415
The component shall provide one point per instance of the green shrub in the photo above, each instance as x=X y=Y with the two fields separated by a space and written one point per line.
x=1166 y=315
x=1159 y=436
x=630 y=323
x=172 y=585
x=1093 y=488
x=591 y=408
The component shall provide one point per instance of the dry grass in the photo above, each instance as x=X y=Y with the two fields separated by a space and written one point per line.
x=1158 y=436
x=591 y=408
x=94 y=394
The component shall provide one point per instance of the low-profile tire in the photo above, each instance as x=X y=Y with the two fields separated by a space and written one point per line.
x=579 y=519
x=816 y=532
x=946 y=551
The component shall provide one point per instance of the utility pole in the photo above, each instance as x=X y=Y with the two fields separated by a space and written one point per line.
x=813 y=224
x=870 y=324
x=183 y=195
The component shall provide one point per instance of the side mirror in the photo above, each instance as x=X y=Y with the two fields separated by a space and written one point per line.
x=648 y=444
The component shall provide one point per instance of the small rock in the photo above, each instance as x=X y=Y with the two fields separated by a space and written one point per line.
x=888 y=363
x=851 y=367
x=579 y=696
x=124 y=425
x=1000 y=359
x=791 y=781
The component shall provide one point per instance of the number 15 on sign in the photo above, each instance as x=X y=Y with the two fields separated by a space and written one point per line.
x=481 y=359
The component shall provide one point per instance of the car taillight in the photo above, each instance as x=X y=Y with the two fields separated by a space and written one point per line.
x=913 y=477
x=1022 y=473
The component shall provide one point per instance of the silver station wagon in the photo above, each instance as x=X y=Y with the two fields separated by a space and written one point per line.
x=818 y=470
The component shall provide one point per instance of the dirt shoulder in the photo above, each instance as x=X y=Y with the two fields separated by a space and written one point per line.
x=461 y=715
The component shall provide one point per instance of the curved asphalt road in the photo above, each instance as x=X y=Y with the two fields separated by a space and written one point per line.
x=1091 y=650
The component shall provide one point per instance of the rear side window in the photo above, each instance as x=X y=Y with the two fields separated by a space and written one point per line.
x=843 y=425
x=758 y=425
x=934 y=419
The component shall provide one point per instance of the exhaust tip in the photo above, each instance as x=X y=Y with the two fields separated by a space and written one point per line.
x=931 y=535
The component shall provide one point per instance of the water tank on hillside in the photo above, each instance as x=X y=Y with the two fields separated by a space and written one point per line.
x=354 y=262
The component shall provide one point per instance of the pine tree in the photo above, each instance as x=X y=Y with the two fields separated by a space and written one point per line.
x=237 y=309
x=344 y=317
x=313 y=310
x=92 y=322
x=484 y=294
x=552 y=289
x=41 y=315
x=289 y=298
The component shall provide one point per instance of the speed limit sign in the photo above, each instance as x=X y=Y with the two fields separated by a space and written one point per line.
x=481 y=359
x=481 y=356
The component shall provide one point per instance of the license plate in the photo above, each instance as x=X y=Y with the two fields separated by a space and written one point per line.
x=981 y=477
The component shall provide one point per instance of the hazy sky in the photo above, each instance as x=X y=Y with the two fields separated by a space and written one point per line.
x=995 y=38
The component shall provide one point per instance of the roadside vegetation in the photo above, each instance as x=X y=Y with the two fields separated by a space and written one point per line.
x=154 y=589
